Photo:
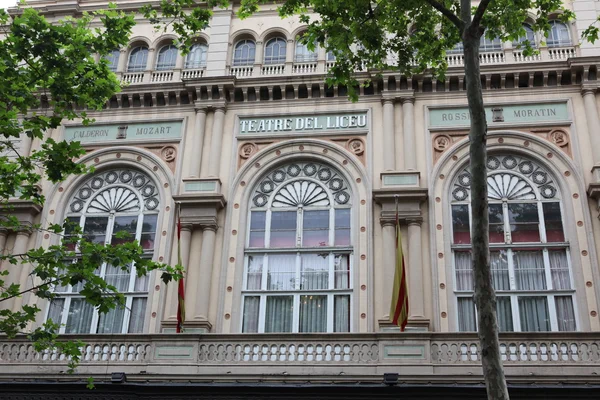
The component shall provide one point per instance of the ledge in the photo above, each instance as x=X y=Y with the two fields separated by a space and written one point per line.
x=405 y=194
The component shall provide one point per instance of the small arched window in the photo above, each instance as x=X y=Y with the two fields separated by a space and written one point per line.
x=303 y=53
x=559 y=35
x=244 y=53
x=167 y=56
x=113 y=59
x=138 y=59
x=275 y=51
x=486 y=44
x=196 y=58
x=528 y=37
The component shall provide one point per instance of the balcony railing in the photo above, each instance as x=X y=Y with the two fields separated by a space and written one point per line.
x=526 y=356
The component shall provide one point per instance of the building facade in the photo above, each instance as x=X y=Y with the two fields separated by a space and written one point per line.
x=287 y=194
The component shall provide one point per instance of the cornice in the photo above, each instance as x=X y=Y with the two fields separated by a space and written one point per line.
x=403 y=195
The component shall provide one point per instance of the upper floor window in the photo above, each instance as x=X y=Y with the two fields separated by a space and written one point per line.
x=298 y=267
x=528 y=37
x=458 y=48
x=138 y=59
x=559 y=35
x=113 y=59
x=330 y=56
x=244 y=53
x=529 y=255
x=196 y=58
x=275 y=51
x=115 y=201
x=486 y=44
x=303 y=53
x=167 y=57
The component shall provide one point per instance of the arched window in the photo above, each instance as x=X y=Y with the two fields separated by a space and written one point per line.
x=528 y=37
x=302 y=53
x=330 y=56
x=529 y=255
x=559 y=35
x=297 y=274
x=275 y=51
x=167 y=56
x=196 y=58
x=458 y=48
x=244 y=53
x=486 y=44
x=113 y=59
x=119 y=200
x=138 y=59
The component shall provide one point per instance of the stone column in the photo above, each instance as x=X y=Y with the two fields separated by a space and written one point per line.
x=593 y=122
x=19 y=272
x=171 y=302
x=389 y=262
x=186 y=238
x=214 y=160
x=122 y=64
x=410 y=157
x=198 y=143
x=389 y=144
x=209 y=233
x=3 y=235
x=415 y=260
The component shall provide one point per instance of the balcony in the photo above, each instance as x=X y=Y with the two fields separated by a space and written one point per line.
x=418 y=357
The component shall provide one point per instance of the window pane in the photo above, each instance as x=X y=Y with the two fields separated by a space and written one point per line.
x=559 y=269
x=117 y=277
x=342 y=271
x=283 y=228
x=466 y=315
x=315 y=228
x=282 y=272
x=529 y=270
x=313 y=313
x=148 y=231
x=126 y=225
x=464 y=270
x=141 y=283
x=166 y=58
x=113 y=59
x=504 y=311
x=138 y=314
x=257 y=229
x=565 y=313
x=279 y=315
x=534 y=314
x=341 y=313
x=255 y=268
x=342 y=226
x=112 y=321
x=314 y=272
x=553 y=222
x=524 y=222
x=460 y=224
x=80 y=317
x=95 y=229
x=56 y=309
x=496 y=216
x=71 y=224
x=251 y=311
x=499 y=269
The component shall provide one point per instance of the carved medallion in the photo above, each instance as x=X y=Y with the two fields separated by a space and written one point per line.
x=168 y=153
x=247 y=150
x=356 y=146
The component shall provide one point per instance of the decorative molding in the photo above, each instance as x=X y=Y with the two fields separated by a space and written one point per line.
x=200 y=210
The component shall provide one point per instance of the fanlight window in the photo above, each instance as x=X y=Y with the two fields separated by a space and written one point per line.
x=528 y=37
x=529 y=252
x=303 y=54
x=108 y=203
x=244 y=53
x=138 y=59
x=559 y=35
x=298 y=267
x=275 y=51
x=113 y=59
x=167 y=56
x=196 y=58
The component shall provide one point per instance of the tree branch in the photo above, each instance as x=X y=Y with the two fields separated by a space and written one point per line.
x=483 y=5
x=447 y=13
x=29 y=290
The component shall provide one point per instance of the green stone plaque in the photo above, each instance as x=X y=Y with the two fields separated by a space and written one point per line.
x=148 y=131
x=322 y=123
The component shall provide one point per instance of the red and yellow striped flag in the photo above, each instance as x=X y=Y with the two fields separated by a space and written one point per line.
x=399 y=306
x=181 y=287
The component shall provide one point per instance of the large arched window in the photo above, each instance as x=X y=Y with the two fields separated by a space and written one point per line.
x=303 y=53
x=528 y=37
x=167 y=56
x=113 y=59
x=486 y=44
x=297 y=274
x=275 y=51
x=120 y=200
x=196 y=58
x=529 y=253
x=138 y=59
x=559 y=34
x=244 y=53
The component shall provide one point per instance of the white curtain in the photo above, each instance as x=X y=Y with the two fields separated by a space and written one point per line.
x=342 y=271
x=464 y=270
x=80 y=316
x=559 y=269
x=138 y=315
x=251 y=310
x=314 y=271
x=529 y=270
x=341 y=313
x=254 y=277
x=499 y=270
x=280 y=311
x=466 y=315
x=117 y=277
x=565 y=313
x=141 y=283
x=504 y=313
x=313 y=313
x=282 y=272
x=56 y=309
x=534 y=314
x=112 y=321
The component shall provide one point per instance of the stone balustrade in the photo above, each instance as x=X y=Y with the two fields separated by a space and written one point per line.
x=356 y=356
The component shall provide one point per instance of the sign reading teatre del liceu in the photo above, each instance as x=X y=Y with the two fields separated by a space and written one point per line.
x=507 y=113
x=303 y=123
x=126 y=132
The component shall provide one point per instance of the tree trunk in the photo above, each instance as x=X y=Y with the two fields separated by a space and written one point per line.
x=485 y=296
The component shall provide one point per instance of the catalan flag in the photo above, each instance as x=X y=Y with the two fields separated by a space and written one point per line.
x=181 y=287
x=399 y=306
